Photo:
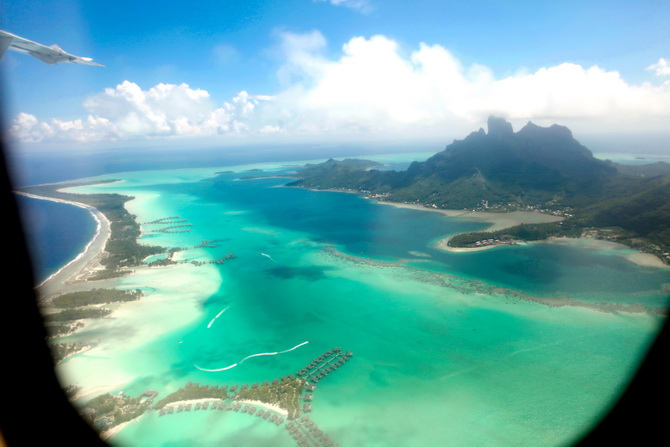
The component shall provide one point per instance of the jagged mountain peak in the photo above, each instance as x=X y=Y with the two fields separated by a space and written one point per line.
x=499 y=126
x=554 y=131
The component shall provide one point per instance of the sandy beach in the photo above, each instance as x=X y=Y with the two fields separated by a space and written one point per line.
x=274 y=408
x=500 y=221
x=497 y=221
x=87 y=261
x=636 y=257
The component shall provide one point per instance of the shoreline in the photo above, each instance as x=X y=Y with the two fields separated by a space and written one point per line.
x=85 y=262
x=500 y=221
x=636 y=257
x=272 y=407
x=497 y=221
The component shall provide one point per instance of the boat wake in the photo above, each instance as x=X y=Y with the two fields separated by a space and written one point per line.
x=217 y=316
x=249 y=356
x=269 y=257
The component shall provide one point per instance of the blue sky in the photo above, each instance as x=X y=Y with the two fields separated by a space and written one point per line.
x=232 y=72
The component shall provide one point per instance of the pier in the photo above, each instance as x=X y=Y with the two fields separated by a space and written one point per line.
x=299 y=388
x=325 y=364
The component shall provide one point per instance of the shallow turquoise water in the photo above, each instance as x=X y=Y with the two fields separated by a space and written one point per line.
x=446 y=348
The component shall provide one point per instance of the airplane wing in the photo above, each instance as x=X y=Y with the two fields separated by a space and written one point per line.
x=51 y=55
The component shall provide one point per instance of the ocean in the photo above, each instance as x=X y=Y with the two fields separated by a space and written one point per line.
x=511 y=346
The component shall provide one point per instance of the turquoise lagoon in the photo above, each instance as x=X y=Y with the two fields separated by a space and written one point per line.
x=511 y=346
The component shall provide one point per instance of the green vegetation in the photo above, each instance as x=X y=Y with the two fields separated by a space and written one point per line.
x=333 y=174
x=192 y=391
x=285 y=394
x=71 y=390
x=76 y=314
x=60 y=329
x=122 y=249
x=61 y=351
x=107 y=411
x=95 y=296
x=528 y=232
x=540 y=169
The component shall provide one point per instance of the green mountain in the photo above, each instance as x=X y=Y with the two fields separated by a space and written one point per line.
x=537 y=167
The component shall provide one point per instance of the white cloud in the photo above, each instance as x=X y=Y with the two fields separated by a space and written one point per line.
x=371 y=88
x=126 y=111
x=662 y=67
x=359 y=5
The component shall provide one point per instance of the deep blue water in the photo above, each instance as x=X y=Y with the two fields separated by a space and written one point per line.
x=56 y=233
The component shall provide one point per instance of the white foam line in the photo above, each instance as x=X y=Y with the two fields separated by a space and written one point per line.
x=217 y=316
x=216 y=370
x=273 y=353
x=269 y=257
x=248 y=357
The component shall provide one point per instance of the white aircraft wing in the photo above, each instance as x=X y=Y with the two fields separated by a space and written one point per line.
x=51 y=55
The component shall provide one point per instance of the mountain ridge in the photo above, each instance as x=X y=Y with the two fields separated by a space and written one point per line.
x=536 y=168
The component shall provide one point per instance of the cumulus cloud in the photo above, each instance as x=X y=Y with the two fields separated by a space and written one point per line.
x=126 y=111
x=371 y=88
x=374 y=87
x=661 y=68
